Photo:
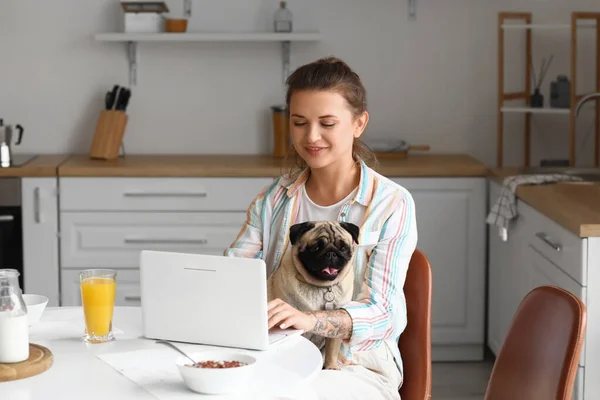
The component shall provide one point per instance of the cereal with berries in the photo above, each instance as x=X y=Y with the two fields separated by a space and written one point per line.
x=217 y=364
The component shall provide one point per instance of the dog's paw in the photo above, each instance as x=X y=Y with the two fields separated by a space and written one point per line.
x=332 y=366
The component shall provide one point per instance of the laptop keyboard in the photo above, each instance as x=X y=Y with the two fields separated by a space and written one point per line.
x=276 y=336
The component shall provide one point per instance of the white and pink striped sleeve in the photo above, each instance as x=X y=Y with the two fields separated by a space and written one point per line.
x=382 y=313
x=248 y=243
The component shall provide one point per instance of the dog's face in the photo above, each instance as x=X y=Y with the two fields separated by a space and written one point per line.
x=323 y=249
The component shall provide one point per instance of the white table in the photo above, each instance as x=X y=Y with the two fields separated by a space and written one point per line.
x=77 y=372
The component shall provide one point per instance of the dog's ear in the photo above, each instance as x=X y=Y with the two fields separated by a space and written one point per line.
x=298 y=230
x=352 y=229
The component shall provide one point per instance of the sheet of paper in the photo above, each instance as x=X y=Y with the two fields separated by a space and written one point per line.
x=155 y=371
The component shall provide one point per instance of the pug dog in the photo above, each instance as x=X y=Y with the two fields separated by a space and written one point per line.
x=317 y=273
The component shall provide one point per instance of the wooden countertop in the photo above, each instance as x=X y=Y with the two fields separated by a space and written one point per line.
x=173 y=166
x=431 y=165
x=41 y=166
x=575 y=206
x=434 y=165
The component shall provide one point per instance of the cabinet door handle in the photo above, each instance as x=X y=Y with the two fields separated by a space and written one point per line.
x=7 y=218
x=133 y=298
x=164 y=194
x=37 y=217
x=165 y=241
x=546 y=239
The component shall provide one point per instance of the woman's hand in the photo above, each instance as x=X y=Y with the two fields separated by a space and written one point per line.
x=285 y=316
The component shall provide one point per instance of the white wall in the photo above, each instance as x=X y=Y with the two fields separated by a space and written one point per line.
x=430 y=81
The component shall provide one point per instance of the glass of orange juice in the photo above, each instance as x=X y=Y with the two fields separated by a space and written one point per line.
x=98 y=290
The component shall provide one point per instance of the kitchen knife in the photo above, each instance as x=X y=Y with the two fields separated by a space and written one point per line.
x=111 y=97
x=123 y=99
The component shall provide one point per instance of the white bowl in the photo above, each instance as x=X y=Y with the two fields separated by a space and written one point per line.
x=36 y=304
x=216 y=380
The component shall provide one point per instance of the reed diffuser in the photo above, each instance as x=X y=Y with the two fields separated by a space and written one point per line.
x=537 y=98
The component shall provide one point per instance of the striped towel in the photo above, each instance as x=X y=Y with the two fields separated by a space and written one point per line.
x=505 y=208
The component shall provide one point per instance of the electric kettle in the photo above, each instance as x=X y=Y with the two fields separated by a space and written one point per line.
x=6 y=131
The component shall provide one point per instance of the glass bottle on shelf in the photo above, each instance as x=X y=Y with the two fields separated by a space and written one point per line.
x=282 y=20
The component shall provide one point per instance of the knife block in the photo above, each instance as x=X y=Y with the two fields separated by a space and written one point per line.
x=110 y=129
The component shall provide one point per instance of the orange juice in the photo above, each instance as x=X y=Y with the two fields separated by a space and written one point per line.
x=98 y=298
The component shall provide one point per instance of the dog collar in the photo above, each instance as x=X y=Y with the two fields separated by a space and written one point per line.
x=329 y=298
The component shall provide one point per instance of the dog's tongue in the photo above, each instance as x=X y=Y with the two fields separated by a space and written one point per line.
x=330 y=271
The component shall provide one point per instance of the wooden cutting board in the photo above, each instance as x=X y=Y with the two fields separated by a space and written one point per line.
x=40 y=359
x=402 y=154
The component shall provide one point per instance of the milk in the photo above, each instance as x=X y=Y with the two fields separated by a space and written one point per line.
x=14 y=338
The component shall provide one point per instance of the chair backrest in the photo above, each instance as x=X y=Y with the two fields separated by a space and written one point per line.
x=415 y=341
x=538 y=359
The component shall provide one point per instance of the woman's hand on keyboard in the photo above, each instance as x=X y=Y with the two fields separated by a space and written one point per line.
x=285 y=316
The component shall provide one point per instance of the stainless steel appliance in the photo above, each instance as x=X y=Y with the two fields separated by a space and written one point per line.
x=11 y=231
x=7 y=158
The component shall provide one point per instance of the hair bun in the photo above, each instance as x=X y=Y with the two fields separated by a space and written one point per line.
x=330 y=60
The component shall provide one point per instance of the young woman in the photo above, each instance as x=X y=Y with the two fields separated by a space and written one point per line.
x=332 y=178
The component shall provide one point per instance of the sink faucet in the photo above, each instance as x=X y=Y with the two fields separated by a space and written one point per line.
x=584 y=100
x=580 y=104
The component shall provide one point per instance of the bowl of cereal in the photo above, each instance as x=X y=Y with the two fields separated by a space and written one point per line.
x=217 y=371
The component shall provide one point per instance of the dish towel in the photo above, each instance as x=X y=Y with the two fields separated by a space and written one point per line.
x=505 y=208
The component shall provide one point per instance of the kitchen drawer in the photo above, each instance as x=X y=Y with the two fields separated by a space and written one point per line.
x=90 y=240
x=128 y=288
x=564 y=249
x=159 y=194
x=542 y=272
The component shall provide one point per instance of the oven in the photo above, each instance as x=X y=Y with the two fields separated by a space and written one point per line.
x=11 y=226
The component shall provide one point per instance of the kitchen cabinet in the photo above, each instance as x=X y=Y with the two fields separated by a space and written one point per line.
x=106 y=222
x=506 y=272
x=159 y=194
x=39 y=202
x=94 y=240
x=540 y=252
x=451 y=226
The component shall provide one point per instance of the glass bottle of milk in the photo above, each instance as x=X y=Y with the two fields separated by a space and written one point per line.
x=14 y=329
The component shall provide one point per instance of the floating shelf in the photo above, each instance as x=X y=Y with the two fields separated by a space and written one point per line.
x=536 y=110
x=209 y=37
x=132 y=40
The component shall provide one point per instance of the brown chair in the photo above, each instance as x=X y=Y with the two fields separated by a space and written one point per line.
x=539 y=357
x=415 y=341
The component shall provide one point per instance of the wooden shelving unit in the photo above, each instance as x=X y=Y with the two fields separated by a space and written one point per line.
x=579 y=20
x=131 y=40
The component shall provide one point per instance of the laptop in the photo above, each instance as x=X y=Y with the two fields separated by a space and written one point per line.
x=207 y=299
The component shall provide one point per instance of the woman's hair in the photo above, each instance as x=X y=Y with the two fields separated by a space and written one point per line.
x=330 y=74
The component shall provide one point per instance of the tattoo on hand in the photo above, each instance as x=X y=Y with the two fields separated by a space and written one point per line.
x=333 y=324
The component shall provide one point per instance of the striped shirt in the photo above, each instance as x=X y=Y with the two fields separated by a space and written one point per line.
x=385 y=213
